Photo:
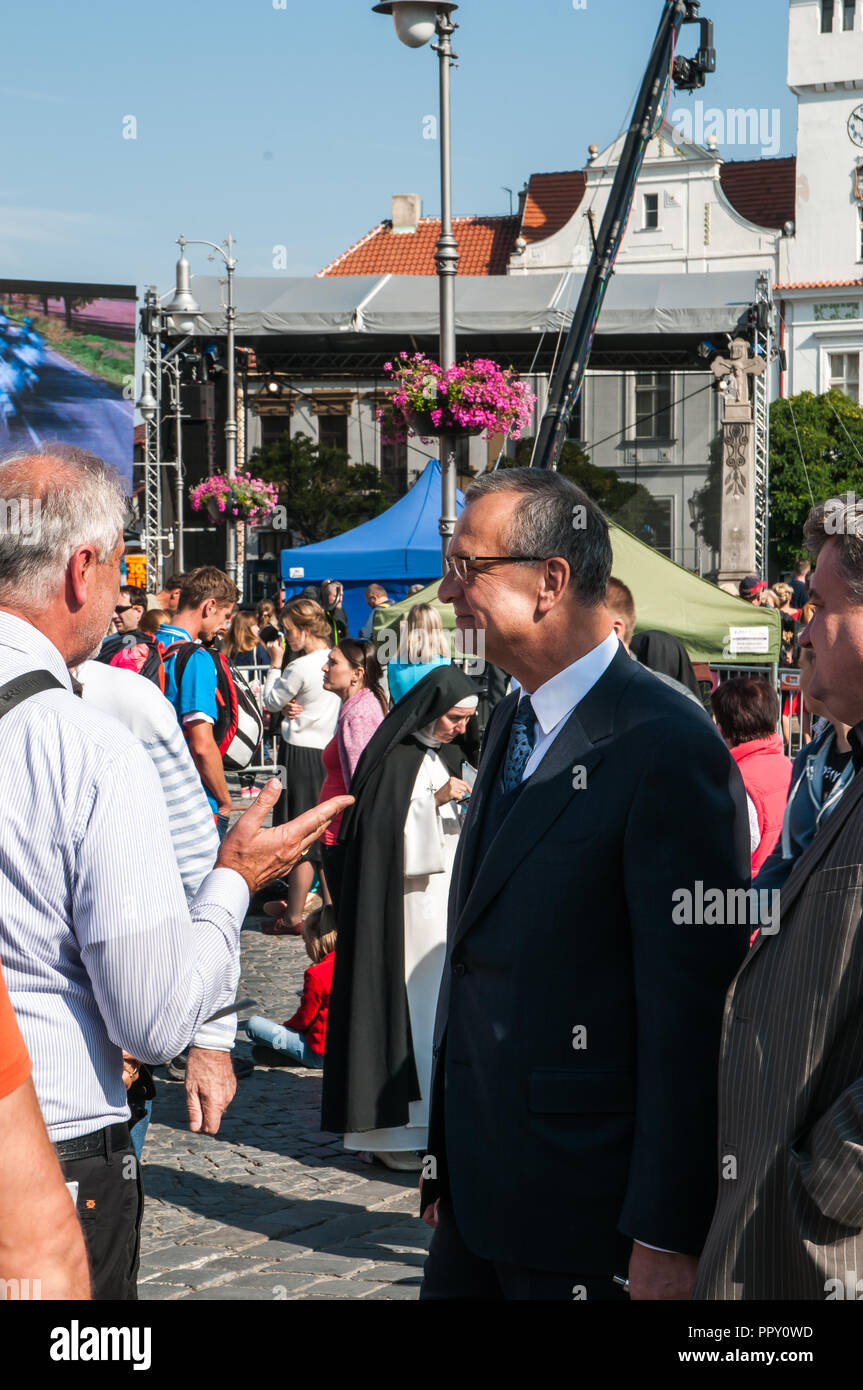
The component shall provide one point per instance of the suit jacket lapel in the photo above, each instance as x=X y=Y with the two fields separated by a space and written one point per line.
x=546 y=794
x=492 y=752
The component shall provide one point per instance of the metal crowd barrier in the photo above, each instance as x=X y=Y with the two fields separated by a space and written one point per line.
x=795 y=723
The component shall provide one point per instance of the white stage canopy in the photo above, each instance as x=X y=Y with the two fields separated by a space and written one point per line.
x=398 y=305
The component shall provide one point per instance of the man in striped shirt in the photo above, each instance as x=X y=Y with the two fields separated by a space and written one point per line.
x=145 y=712
x=94 y=965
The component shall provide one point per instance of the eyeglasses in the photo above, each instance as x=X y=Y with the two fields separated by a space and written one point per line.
x=124 y=608
x=462 y=566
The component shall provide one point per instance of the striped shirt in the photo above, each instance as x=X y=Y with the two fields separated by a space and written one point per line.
x=94 y=961
x=144 y=710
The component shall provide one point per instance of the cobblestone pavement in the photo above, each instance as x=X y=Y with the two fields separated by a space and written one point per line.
x=271 y=1207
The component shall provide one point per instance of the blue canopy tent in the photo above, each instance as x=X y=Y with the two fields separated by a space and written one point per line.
x=399 y=548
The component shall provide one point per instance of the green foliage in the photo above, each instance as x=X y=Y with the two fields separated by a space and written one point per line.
x=708 y=499
x=830 y=429
x=323 y=493
x=112 y=361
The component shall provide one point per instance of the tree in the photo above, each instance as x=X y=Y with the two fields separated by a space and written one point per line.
x=828 y=430
x=630 y=505
x=708 y=499
x=72 y=303
x=322 y=492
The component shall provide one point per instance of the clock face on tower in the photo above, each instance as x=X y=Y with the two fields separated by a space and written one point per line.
x=855 y=125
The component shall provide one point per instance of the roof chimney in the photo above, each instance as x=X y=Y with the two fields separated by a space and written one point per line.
x=406 y=212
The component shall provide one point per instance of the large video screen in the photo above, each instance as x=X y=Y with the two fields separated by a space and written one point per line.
x=67 y=367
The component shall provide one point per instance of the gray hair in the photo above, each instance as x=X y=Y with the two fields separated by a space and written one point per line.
x=555 y=518
x=840 y=519
x=44 y=520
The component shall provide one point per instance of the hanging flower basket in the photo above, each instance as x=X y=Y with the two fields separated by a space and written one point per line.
x=476 y=396
x=242 y=498
x=422 y=424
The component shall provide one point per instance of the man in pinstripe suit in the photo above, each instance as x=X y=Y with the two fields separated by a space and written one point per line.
x=789 y=1219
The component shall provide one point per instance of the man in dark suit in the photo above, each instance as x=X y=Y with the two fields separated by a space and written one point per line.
x=789 y=1219
x=572 y=1133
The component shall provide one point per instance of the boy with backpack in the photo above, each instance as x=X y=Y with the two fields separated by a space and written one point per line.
x=206 y=603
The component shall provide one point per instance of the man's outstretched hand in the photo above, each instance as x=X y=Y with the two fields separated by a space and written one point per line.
x=260 y=855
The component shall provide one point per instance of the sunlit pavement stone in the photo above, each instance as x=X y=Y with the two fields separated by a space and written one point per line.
x=271 y=1207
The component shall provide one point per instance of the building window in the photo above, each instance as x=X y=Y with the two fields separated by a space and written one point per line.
x=651 y=212
x=273 y=427
x=848 y=9
x=657 y=527
x=333 y=432
x=845 y=373
x=653 y=405
x=827 y=16
x=394 y=467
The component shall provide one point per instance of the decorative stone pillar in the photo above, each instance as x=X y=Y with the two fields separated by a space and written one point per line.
x=737 y=537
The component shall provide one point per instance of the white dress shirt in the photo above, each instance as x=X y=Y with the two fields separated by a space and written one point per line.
x=554 y=702
x=100 y=949
x=140 y=705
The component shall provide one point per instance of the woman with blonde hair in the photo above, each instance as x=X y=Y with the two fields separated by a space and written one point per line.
x=423 y=645
x=241 y=646
x=309 y=714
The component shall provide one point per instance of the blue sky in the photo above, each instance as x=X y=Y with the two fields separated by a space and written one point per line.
x=294 y=126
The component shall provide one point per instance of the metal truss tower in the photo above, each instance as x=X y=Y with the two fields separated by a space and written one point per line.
x=762 y=390
x=153 y=469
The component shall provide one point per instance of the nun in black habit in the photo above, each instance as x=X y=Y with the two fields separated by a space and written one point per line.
x=400 y=838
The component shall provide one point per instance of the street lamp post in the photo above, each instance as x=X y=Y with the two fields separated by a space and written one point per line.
x=416 y=21
x=184 y=312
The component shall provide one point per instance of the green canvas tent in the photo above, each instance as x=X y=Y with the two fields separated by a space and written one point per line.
x=712 y=625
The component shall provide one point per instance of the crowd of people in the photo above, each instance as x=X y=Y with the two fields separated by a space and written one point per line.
x=546 y=972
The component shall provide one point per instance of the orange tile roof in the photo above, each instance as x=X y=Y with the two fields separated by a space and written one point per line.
x=821 y=285
x=762 y=190
x=550 y=203
x=484 y=247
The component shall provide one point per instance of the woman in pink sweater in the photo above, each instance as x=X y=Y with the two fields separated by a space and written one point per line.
x=747 y=713
x=353 y=673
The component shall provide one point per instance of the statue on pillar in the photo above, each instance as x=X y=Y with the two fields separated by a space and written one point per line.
x=740 y=365
x=737 y=543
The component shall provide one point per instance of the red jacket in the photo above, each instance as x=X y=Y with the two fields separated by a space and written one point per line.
x=311 y=1016
x=766 y=774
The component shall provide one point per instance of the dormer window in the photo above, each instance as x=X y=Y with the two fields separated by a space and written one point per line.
x=827 y=16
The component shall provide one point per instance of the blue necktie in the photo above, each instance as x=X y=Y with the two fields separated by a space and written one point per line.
x=522 y=737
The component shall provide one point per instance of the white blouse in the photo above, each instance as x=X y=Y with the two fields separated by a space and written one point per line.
x=303 y=681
